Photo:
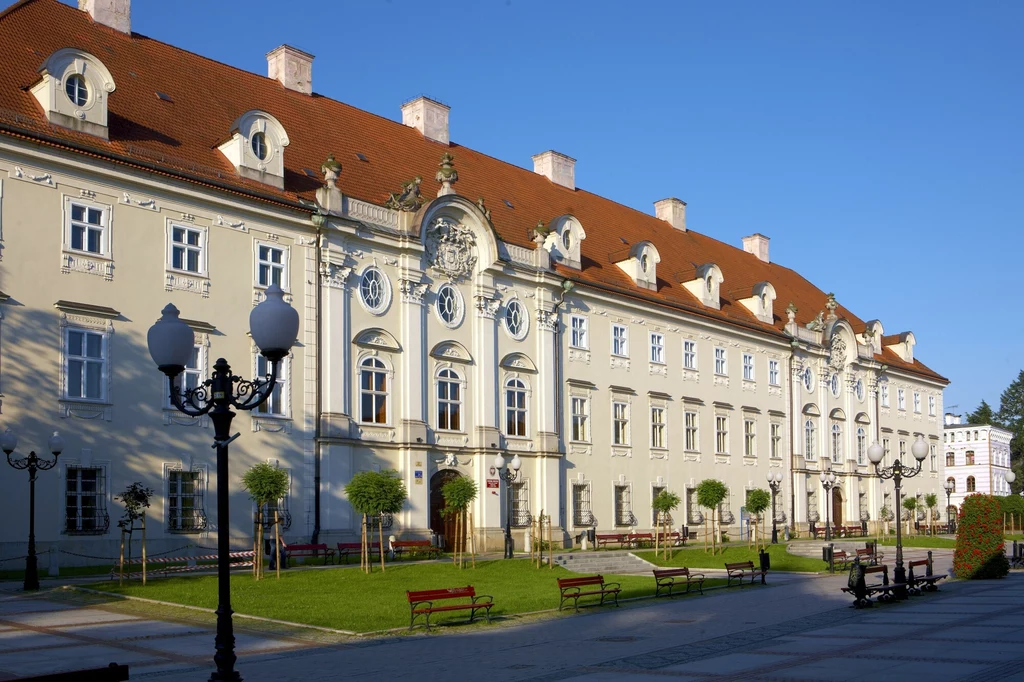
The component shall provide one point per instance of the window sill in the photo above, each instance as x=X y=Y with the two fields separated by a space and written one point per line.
x=186 y=273
x=85 y=409
x=572 y=347
x=271 y=422
x=87 y=254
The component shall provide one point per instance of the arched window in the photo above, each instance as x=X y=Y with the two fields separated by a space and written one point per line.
x=809 y=439
x=837 y=443
x=862 y=440
x=515 y=408
x=373 y=390
x=449 y=400
x=950 y=459
x=970 y=484
x=952 y=484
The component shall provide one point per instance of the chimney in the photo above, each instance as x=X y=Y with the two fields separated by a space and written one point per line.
x=672 y=211
x=757 y=244
x=294 y=68
x=116 y=14
x=427 y=116
x=556 y=167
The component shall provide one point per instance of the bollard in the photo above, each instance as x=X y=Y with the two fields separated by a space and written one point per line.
x=53 y=570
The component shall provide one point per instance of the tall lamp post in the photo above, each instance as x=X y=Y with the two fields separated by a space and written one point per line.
x=775 y=483
x=273 y=326
x=949 y=491
x=508 y=474
x=828 y=481
x=9 y=441
x=897 y=472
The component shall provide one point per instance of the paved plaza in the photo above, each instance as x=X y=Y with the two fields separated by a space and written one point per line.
x=798 y=628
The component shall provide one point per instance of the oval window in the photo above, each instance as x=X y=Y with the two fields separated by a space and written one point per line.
x=259 y=146
x=449 y=306
x=516 y=321
x=77 y=90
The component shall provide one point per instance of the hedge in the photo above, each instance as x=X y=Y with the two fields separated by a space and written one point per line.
x=979 y=540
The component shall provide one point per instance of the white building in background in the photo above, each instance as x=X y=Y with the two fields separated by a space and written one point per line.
x=977 y=458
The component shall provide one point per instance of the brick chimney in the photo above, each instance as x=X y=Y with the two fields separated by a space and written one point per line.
x=757 y=244
x=556 y=167
x=294 y=68
x=427 y=116
x=116 y=14
x=672 y=211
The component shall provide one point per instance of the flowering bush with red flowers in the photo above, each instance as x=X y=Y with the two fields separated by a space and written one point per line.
x=979 y=540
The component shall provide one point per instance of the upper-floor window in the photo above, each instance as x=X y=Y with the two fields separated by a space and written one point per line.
x=932 y=458
x=449 y=400
x=77 y=90
x=657 y=348
x=808 y=378
x=191 y=376
x=721 y=367
x=810 y=439
x=969 y=457
x=776 y=441
x=885 y=450
x=835 y=384
x=275 y=404
x=901 y=399
x=578 y=337
x=931 y=406
x=658 y=427
x=862 y=444
x=449 y=306
x=87 y=229
x=374 y=290
x=517 y=320
x=721 y=434
x=975 y=435
x=259 y=146
x=620 y=423
x=883 y=392
x=620 y=340
x=950 y=459
x=917 y=402
x=373 y=391
x=837 y=443
x=903 y=450
x=749 y=438
x=690 y=354
x=970 y=484
x=188 y=249
x=773 y=373
x=85 y=357
x=748 y=367
x=581 y=419
x=270 y=266
x=690 y=423
x=516 y=408
x=858 y=389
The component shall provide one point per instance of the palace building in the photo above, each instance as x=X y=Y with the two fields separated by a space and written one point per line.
x=453 y=306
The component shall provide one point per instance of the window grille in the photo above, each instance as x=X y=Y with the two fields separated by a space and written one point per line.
x=623 y=507
x=185 y=510
x=694 y=516
x=581 y=511
x=667 y=518
x=375 y=521
x=725 y=511
x=85 y=511
x=521 y=504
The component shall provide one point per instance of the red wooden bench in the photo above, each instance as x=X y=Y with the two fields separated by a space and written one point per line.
x=604 y=539
x=739 y=570
x=574 y=588
x=421 y=603
x=640 y=540
x=926 y=582
x=346 y=549
x=310 y=550
x=415 y=547
x=674 y=538
x=666 y=578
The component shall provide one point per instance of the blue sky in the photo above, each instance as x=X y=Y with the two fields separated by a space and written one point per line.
x=877 y=143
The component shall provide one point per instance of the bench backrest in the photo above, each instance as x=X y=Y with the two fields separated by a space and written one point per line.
x=748 y=565
x=355 y=545
x=671 y=572
x=301 y=548
x=580 y=582
x=607 y=536
x=434 y=595
x=641 y=535
x=921 y=562
x=839 y=554
x=411 y=543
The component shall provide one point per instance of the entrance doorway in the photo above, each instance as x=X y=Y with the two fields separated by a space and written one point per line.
x=837 y=507
x=441 y=525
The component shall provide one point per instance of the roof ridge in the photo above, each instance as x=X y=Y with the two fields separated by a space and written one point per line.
x=14 y=7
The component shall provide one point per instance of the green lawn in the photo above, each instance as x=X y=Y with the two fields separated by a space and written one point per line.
x=65 y=572
x=347 y=599
x=698 y=558
x=929 y=541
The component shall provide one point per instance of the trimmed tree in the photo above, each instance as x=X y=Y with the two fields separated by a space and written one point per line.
x=458 y=494
x=979 y=540
x=710 y=493
x=931 y=500
x=135 y=499
x=375 y=493
x=664 y=504
x=909 y=505
x=758 y=500
x=885 y=516
x=265 y=484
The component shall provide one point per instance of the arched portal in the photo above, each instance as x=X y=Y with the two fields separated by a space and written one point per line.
x=837 y=507
x=440 y=524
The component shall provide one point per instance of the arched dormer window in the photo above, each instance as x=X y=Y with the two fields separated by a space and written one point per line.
x=256 y=147
x=73 y=91
x=640 y=263
x=564 y=240
x=706 y=285
x=761 y=302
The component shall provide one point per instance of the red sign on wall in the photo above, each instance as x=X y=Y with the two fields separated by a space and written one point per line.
x=492 y=483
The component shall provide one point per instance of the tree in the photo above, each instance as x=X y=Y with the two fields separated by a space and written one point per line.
x=710 y=493
x=910 y=505
x=758 y=500
x=265 y=484
x=983 y=415
x=1011 y=417
x=375 y=493
x=135 y=499
x=931 y=500
x=458 y=493
x=665 y=503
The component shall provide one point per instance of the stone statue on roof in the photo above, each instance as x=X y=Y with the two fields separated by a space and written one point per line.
x=483 y=209
x=409 y=199
x=446 y=175
x=791 y=311
x=331 y=170
x=831 y=305
x=818 y=323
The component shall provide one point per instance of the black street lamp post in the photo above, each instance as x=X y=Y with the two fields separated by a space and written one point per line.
x=775 y=483
x=949 y=491
x=897 y=472
x=509 y=474
x=274 y=326
x=8 y=441
x=828 y=482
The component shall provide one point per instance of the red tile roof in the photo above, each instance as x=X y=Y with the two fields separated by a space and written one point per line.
x=180 y=138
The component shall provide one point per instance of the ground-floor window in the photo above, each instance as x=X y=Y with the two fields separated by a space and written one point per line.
x=623 y=507
x=85 y=501
x=581 y=511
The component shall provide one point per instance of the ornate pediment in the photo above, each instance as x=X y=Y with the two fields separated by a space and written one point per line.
x=452 y=351
x=518 y=362
x=451 y=248
x=377 y=338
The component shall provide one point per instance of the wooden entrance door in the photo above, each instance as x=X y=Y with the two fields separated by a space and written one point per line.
x=837 y=507
x=442 y=525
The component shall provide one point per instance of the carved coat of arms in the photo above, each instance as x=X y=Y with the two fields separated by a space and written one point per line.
x=837 y=354
x=450 y=248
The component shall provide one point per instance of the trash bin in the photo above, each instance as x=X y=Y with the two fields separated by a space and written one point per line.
x=826 y=554
x=766 y=560
x=591 y=536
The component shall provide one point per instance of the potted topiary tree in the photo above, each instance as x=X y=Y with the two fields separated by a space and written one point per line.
x=458 y=493
x=710 y=493
x=265 y=484
x=758 y=500
x=664 y=504
x=375 y=493
x=135 y=499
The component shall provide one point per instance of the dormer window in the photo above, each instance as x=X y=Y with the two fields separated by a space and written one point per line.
x=640 y=262
x=77 y=90
x=706 y=284
x=761 y=302
x=563 y=241
x=256 y=148
x=259 y=146
x=73 y=91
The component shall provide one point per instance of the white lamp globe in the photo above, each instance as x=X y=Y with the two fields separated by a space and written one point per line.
x=9 y=441
x=499 y=462
x=919 y=449
x=516 y=463
x=273 y=324
x=771 y=476
x=778 y=476
x=1010 y=477
x=821 y=477
x=170 y=342
x=56 y=443
x=875 y=453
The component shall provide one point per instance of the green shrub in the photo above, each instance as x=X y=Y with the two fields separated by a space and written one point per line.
x=979 y=540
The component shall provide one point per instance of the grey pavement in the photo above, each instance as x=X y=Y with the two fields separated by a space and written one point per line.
x=797 y=628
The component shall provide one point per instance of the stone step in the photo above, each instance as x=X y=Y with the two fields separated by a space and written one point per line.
x=610 y=563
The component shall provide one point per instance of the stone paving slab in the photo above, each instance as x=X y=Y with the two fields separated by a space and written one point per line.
x=67 y=617
x=135 y=630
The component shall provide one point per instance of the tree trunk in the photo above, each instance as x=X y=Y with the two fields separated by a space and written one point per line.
x=143 y=548
x=277 y=544
x=380 y=527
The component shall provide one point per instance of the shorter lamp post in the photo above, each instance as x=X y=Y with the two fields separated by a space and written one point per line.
x=508 y=474
x=9 y=441
x=775 y=483
x=828 y=481
x=949 y=491
x=897 y=472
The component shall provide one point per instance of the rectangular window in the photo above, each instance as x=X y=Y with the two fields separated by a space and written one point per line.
x=903 y=451
x=620 y=340
x=581 y=512
x=581 y=419
x=931 y=406
x=85 y=506
x=690 y=354
x=748 y=367
x=721 y=368
x=776 y=438
x=722 y=435
x=85 y=355
x=885 y=451
x=620 y=423
x=521 y=503
x=187 y=246
x=693 y=511
x=658 y=348
x=884 y=392
x=901 y=399
x=773 y=373
x=658 y=427
x=692 y=442
x=191 y=377
x=950 y=459
x=749 y=438
x=623 y=507
x=969 y=457
x=932 y=459
x=917 y=402
x=270 y=266
x=185 y=511
x=88 y=229
x=274 y=405
x=578 y=337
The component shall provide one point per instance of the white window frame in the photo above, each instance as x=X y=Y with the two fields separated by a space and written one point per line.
x=836 y=432
x=810 y=439
x=580 y=427
x=748 y=367
x=524 y=319
x=657 y=348
x=883 y=392
x=386 y=291
x=862 y=445
x=774 y=377
x=199 y=373
x=579 y=336
x=201 y=248
x=931 y=406
x=384 y=367
x=620 y=423
x=775 y=439
x=807 y=379
x=721 y=362
x=620 y=340
x=749 y=437
x=67 y=359
x=202 y=480
x=901 y=400
x=659 y=429
x=459 y=311
x=283 y=380
x=689 y=354
x=721 y=434
x=518 y=386
x=106 y=233
x=835 y=385
x=284 y=265
x=691 y=424
x=917 y=403
x=448 y=404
